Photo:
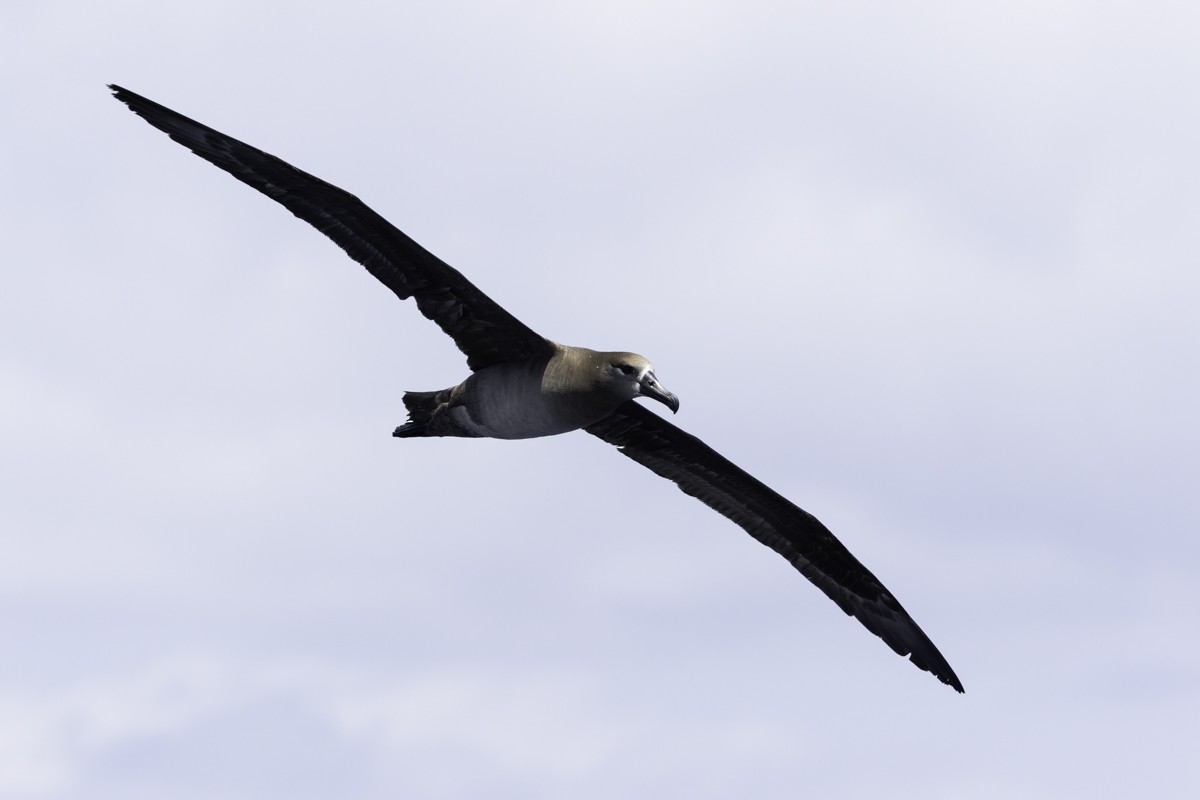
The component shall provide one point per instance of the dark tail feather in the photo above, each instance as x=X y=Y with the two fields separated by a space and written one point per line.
x=410 y=429
x=420 y=407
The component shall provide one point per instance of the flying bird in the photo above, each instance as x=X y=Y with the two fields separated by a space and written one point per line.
x=523 y=385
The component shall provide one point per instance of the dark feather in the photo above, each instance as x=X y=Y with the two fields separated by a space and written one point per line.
x=769 y=517
x=489 y=336
x=484 y=331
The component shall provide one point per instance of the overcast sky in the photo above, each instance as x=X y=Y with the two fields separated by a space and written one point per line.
x=930 y=270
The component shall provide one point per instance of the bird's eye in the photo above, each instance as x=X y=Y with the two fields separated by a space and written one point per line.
x=625 y=368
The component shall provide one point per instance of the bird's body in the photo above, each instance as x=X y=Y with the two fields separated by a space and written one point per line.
x=569 y=389
x=524 y=385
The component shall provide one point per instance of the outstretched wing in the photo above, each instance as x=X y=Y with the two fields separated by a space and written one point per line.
x=484 y=331
x=769 y=517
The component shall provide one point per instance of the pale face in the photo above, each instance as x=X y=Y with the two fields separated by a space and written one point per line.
x=633 y=376
x=627 y=370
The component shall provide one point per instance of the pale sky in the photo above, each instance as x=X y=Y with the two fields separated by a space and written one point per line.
x=930 y=270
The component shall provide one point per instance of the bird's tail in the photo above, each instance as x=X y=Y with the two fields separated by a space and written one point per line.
x=421 y=406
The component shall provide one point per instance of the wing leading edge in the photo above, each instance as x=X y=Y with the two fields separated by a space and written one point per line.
x=772 y=519
x=481 y=328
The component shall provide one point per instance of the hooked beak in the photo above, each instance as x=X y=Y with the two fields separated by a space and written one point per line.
x=650 y=387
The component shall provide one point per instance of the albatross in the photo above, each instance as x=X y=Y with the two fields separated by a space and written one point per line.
x=523 y=385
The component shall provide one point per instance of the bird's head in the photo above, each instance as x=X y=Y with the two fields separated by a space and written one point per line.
x=631 y=376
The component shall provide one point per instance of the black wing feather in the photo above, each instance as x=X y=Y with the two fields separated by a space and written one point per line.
x=769 y=517
x=488 y=334
x=484 y=331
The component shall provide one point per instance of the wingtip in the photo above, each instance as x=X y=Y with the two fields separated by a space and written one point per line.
x=124 y=95
x=943 y=673
x=131 y=99
x=953 y=682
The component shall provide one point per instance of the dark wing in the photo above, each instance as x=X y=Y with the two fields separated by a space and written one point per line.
x=769 y=517
x=484 y=331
